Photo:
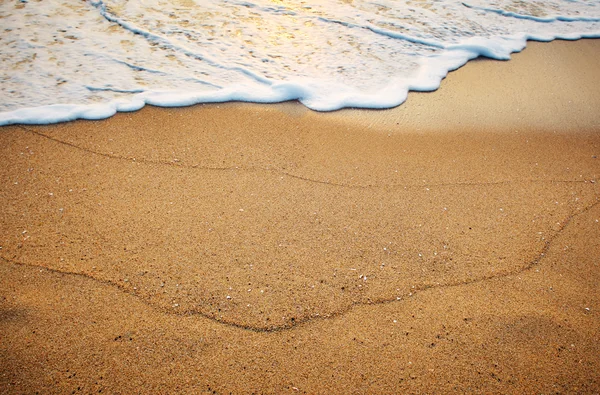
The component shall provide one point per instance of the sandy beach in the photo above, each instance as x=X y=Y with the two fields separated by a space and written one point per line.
x=450 y=245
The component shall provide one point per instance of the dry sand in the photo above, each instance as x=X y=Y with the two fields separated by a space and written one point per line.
x=448 y=245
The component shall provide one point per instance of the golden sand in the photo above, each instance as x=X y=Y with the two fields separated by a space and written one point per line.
x=448 y=245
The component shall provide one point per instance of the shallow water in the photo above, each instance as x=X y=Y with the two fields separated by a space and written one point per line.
x=63 y=59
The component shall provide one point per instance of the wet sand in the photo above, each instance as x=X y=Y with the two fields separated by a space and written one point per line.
x=449 y=245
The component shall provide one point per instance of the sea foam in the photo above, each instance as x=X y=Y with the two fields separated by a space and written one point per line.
x=65 y=60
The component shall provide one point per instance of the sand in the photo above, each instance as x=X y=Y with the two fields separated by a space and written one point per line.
x=449 y=245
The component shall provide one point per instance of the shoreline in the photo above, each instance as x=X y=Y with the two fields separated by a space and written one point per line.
x=459 y=84
x=445 y=245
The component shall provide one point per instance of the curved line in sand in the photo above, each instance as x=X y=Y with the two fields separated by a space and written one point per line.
x=340 y=312
x=288 y=174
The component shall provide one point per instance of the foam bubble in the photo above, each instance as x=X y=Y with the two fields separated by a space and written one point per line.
x=92 y=59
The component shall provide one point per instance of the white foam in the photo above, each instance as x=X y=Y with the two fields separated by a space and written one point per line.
x=89 y=60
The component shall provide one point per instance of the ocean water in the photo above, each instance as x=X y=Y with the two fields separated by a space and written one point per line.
x=68 y=59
